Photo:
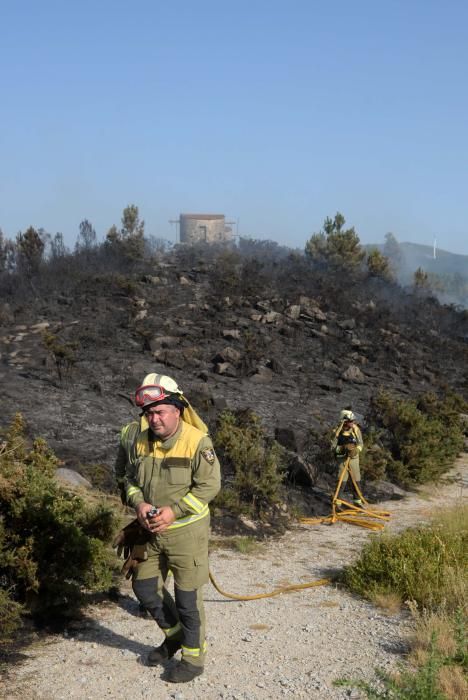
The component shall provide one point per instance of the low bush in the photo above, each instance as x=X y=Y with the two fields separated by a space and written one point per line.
x=426 y=568
x=416 y=439
x=375 y=458
x=10 y=614
x=52 y=544
x=253 y=465
x=426 y=564
x=318 y=454
x=63 y=354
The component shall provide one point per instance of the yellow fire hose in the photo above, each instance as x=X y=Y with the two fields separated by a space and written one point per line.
x=271 y=594
x=355 y=515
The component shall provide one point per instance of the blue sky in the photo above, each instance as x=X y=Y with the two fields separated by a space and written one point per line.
x=277 y=113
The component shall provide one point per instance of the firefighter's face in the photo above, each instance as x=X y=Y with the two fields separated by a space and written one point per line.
x=163 y=420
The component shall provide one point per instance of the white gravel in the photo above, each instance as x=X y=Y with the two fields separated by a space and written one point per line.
x=294 y=645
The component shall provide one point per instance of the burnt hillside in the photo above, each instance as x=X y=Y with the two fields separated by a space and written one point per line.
x=264 y=330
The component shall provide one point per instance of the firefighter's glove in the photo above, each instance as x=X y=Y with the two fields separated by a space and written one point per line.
x=136 y=556
x=131 y=541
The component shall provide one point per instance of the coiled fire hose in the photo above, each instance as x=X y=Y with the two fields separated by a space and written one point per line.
x=348 y=512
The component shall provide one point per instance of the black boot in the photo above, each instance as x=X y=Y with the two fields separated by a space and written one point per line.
x=163 y=653
x=184 y=672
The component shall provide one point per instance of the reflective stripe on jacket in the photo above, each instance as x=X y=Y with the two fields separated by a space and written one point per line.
x=182 y=472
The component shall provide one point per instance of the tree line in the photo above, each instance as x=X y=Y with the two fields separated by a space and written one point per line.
x=34 y=247
x=334 y=248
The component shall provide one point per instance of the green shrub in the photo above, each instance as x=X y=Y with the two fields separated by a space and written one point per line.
x=63 y=354
x=374 y=457
x=124 y=284
x=253 y=465
x=10 y=615
x=419 y=438
x=426 y=564
x=52 y=544
x=425 y=567
x=379 y=266
x=335 y=246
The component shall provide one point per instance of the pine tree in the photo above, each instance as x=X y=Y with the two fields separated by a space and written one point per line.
x=335 y=246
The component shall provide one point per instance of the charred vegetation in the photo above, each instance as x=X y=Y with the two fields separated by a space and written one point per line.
x=290 y=336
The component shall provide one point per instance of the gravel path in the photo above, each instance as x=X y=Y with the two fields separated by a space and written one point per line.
x=293 y=645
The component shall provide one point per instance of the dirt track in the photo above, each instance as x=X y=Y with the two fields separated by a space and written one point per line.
x=292 y=645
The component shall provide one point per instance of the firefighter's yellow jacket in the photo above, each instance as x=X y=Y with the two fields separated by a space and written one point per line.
x=182 y=472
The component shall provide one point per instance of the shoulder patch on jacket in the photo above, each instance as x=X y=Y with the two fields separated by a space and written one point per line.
x=209 y=455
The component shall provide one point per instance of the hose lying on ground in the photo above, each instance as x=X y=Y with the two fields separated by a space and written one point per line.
x=355 y=515
x=271 y=594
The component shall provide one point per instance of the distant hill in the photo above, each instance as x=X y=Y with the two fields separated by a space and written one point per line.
x=448 y=272
x=416 y=255
x=444 y=263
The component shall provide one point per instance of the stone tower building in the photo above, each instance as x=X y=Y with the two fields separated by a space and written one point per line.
x=210 y=228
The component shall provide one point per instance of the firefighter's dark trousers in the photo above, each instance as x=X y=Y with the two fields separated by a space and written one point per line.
x=184 y=551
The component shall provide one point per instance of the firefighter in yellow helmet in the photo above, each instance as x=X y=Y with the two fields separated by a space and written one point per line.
x=347 y=443
x=171 y=475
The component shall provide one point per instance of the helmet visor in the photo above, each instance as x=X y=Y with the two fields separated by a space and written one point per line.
x=146 y=395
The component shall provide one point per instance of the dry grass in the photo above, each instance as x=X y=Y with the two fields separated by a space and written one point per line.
x=432 y=629
x=390 y=603
x=452 y=682
x=437 y=633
